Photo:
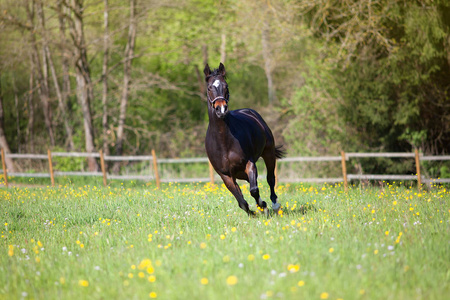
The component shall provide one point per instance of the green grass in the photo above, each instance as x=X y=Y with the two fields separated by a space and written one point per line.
x=374 y=243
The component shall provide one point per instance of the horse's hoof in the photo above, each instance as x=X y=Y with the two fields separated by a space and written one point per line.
x=266 y=212
x=276 y=207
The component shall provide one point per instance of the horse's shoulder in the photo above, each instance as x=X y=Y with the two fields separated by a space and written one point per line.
x=249 y=116
x=245 y=113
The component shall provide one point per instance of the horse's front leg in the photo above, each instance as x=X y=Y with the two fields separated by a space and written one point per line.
x=233 y=187
x=252 y=173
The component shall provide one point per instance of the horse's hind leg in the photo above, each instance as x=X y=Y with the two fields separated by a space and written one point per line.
x=252 y=174
x=233 y=187
x=270 y=161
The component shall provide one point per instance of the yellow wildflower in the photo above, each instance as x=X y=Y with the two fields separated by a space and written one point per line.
x=232 y=280
x=83 y=283
x=293 y=268
x=144 y=264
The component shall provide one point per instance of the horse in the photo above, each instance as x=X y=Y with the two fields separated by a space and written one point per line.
x=235 y=140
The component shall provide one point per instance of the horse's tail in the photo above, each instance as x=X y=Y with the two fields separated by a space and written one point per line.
x=279 y=152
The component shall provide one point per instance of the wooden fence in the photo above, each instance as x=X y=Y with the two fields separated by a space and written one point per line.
x=152 y=159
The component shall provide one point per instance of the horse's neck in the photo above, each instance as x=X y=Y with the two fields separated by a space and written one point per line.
x=218 y=126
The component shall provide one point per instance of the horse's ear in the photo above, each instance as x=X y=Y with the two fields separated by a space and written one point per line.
x=222 y=69
x=207 y=70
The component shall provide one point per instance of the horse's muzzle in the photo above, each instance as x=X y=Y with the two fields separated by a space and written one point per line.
x=221 y=109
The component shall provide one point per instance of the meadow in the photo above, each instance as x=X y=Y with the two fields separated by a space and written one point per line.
x=193 y=242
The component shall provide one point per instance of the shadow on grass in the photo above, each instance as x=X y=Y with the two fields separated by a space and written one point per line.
x=300 y=210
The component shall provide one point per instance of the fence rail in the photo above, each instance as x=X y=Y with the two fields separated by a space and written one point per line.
x=152 y=158
x=379 y=154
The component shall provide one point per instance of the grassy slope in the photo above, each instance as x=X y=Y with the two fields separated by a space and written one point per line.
x=390 y=243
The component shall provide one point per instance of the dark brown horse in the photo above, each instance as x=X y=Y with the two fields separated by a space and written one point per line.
x=235 y=140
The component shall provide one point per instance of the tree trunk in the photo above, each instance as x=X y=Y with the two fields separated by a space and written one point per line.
x=3 y=142
x=65 y=54
x=448 y=49
x=268 y=61
x=41 y=81
x=105 y=79
x=30 y=125
x=16 y=104
x=83 y=78
x=129 y=52
x=61 y=103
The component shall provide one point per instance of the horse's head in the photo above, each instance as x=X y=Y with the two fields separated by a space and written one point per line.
x=217 y=92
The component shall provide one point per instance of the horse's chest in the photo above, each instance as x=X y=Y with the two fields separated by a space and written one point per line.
x=231 y=163
x=226 y=158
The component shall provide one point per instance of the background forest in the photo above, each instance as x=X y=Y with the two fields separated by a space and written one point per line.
x=126 y=76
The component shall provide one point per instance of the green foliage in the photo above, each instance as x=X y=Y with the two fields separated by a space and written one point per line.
x=390 y=93
x=353 y=76
x=313 y=126
x=415 y=138
x=445 y=172
x=67 y=164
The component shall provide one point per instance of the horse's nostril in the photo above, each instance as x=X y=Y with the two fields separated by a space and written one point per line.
x=221 y=109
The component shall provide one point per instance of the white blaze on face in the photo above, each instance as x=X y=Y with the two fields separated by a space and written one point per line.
x=216 y=83
x=222 y=108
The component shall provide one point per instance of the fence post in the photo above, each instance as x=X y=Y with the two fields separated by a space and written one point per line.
x=211 y=173
x=50 y=166
x=102 y=164
x=5 y=173
x=344 y=171
x=419 y=179
x=155 y=169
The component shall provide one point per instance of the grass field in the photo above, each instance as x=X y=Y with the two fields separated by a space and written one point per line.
x=193 y=242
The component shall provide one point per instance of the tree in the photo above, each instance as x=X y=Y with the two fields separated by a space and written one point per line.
x=62 y=97
x=29 y=140
x=3 y=141
x=85 y=93
x=41 y=72
x=105 y=125
x=128 y=58
x=268 y=63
